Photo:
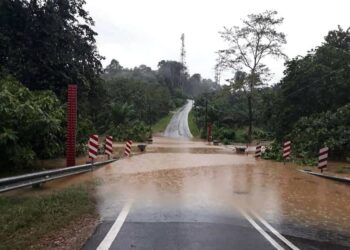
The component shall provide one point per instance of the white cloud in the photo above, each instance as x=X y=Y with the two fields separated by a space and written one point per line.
x=146 y=31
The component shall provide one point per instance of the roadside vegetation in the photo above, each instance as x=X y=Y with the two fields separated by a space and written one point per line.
x=53 y=44
x=161 y=125
x=193 y=125
x=25 y=220
x=309 y=106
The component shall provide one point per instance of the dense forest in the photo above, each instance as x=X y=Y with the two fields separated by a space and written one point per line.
x=46 y=45
x=139 y=97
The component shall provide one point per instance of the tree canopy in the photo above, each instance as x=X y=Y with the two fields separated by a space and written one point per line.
x=49 y=44
x=315 y=83
x=309 y=106
x=247 y=47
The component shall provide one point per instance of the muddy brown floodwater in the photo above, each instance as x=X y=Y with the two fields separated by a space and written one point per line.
x=197 y=175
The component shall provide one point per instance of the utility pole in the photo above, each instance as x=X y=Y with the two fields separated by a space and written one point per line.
x=206 y=118
x=149 y=140
x=149 y=115
x=148 y=107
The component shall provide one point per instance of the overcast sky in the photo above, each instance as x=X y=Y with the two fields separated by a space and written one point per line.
x=139 y=32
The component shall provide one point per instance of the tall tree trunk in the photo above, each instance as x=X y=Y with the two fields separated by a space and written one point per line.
x=250 y=117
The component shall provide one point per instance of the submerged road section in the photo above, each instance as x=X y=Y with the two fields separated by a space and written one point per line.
x=185 y=194
x=178 y=126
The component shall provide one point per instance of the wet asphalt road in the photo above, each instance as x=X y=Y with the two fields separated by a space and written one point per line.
x=173 y=226
x=184 y=194
x=178 y=126
x=229 y=233
x=191 y=200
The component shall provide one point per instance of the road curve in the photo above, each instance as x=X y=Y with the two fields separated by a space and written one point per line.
x=178 y=126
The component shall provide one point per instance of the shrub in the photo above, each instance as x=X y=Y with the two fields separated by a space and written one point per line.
x=273 y=152
x=331 y=129
x=261 y=134
x=85 y=128
x=241 y=136
x=136 y=131
x=31 y=124
x=311 y=133
x=222 y=134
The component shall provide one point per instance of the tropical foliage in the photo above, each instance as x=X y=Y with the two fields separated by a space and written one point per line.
x=46 y=45
x=140 y=97
x=331 y=129
x=247 y=48
x=31 y=124
x=309 y=106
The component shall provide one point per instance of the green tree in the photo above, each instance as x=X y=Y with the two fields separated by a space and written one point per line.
x=248 y=46
x=49 y=44
x=171 y=73
x=331 y=129
x=315 y=83
x=31 y=124
x=143 y=88
x=122 y=113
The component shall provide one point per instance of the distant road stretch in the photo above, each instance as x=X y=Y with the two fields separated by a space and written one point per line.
x=178 y=126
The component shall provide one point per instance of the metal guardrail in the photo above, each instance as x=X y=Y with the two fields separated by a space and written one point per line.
x=331 y=177
x=15 y=182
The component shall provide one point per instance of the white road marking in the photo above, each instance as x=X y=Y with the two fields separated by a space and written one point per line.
x=113 y=232
x=260 y=230
x=274 y=231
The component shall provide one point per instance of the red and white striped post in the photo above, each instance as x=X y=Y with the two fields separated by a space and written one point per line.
x=258 y=151
x=71 y=125
x=322 y=158
x=127 y=150
x=287 y=149
x=93 y=147
x=109 y=146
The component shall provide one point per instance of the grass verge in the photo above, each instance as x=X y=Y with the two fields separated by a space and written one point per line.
x=161 y=125
x=25 y=220
x=193 y=125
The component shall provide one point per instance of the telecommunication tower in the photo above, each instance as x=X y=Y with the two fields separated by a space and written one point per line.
x=183 y=51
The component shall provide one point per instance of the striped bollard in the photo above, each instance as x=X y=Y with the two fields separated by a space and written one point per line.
x=287 y=149
x=127 y=150
x=93 y=147
x=258 y=151
x=322 y=158
x=109 y=146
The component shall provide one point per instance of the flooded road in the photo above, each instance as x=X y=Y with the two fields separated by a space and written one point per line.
x=186 y=194
x=183 y=186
